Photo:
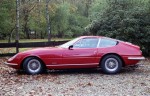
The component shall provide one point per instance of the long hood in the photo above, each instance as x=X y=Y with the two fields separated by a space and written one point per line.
x=44 y=50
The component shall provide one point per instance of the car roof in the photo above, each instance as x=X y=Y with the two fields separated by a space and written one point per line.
x=91 y=36
x=99 y=37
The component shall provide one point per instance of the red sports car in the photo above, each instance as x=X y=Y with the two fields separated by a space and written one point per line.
x=83 y=52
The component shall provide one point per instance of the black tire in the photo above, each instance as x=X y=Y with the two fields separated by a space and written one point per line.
x=33 y=66
x=111 y=64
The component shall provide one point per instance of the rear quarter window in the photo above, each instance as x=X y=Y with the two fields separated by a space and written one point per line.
x=107 y=43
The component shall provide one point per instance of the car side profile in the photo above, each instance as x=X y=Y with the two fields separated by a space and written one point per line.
x=109 y=54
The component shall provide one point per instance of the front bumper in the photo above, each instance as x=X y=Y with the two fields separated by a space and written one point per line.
x=10 y=64
x=13 y=65
x=136 y=58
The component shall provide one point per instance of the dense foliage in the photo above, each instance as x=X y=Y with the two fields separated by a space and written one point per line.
x=7 y=16
x=67 y=18
x=127 y=20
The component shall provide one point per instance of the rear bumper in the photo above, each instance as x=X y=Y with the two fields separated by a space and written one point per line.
x=136 y=58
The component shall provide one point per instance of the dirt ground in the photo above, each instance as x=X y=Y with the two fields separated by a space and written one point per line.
x=77 y=82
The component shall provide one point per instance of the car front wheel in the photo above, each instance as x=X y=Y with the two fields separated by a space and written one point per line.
x=111 y=64
x=32 y=66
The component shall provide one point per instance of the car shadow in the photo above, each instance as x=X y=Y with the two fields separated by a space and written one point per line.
x=78 y=71
x=74 y=71
x=65 y=71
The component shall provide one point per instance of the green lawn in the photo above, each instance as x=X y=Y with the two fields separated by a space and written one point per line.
x=36 y=40
x=13 y=49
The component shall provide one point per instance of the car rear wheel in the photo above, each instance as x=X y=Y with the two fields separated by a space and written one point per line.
x=33 y=66
x=111 y=64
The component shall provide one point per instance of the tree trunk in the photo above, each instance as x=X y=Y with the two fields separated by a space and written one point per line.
x=87 y=6
x=48 y=22
x=26 y=29
x=17 y=26
x=10 y=36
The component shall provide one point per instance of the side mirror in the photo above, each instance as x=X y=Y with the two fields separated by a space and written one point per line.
x=70 y=47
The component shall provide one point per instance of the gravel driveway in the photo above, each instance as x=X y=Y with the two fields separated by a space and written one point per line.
x=85 y=82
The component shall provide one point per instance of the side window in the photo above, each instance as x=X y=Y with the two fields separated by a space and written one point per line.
x=107 y=43
x=86 y=43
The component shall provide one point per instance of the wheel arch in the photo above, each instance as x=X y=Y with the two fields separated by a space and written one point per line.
x=112 y=54
x=21 y=66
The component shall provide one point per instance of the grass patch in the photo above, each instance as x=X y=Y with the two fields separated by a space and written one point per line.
x=36 y=40
x=12 y=50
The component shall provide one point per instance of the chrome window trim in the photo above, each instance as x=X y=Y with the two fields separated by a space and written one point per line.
x=98 y=43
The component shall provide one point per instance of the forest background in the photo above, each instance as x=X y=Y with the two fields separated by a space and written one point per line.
x=127 y=20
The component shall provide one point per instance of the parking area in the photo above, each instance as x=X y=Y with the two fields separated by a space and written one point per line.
x=76 y=82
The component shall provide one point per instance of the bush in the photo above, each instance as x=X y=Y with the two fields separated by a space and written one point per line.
x=128 y=23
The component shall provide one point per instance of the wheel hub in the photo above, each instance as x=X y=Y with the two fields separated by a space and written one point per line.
x=111 y=64
x=34 y=65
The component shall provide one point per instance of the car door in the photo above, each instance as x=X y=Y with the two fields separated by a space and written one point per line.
x=83 y=53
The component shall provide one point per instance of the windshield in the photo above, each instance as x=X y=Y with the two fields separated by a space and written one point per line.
x=66 y=45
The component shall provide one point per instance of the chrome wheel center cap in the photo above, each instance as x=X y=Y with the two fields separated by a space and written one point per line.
x=34 y=64
x=111 y=64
